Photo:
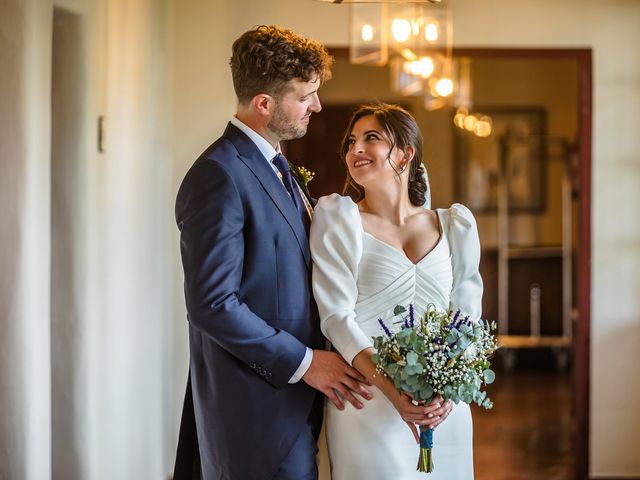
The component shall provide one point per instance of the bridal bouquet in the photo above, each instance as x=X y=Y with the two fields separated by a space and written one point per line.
x=439 y=353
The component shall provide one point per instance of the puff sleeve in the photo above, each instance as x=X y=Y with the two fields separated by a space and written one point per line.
x=336 y=250
x=462 y=232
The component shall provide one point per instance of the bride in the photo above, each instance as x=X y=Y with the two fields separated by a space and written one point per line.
x=387 y=249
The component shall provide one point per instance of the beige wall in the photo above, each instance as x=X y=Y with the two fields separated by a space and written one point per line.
x=609 y=28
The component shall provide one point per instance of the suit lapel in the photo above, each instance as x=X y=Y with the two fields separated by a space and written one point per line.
x=305 y=190
x=256 y=163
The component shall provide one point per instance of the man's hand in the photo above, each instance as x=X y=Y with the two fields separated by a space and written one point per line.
x=330 y=374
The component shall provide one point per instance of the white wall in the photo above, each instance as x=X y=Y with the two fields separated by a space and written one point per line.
x=115 y=259
x=609 y=28
x=131 y=380
x=25 y=420
x=201 y=101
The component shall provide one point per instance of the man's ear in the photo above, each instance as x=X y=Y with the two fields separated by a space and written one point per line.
x=263 y=104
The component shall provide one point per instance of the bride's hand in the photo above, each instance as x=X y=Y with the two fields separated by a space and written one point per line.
x=442 y=412
x=414 y=430
x=417 y=414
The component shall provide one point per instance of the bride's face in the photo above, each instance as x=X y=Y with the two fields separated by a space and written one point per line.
x=369 y=158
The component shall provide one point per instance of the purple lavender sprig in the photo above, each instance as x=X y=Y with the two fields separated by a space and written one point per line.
x=385 y=328
x=411 y=315
x=454 y=321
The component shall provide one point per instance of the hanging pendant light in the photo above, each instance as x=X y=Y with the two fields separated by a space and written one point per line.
x=415 y=38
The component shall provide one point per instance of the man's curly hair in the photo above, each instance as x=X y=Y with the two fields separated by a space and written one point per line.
x=266 y=58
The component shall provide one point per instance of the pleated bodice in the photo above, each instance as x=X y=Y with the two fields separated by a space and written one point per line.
x=386 y=278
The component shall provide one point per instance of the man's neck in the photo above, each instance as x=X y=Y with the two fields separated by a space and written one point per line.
x=257 y=125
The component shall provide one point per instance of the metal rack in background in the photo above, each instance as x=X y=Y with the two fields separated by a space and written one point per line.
x=560 y=344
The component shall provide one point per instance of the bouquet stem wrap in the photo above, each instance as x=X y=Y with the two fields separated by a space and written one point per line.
x=425 y=462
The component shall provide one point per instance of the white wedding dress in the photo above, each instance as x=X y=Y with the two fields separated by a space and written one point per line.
x=358 y=279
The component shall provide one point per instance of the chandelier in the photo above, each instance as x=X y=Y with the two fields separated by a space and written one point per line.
x=415 y=39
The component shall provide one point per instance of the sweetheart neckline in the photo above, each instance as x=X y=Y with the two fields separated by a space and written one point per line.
x=402 y=252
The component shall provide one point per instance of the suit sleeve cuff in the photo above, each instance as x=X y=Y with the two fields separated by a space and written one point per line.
x=304 y=366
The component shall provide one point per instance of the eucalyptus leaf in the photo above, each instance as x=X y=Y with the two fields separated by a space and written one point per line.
x=426 y=392
x=405 y=333
x=489 y=376
x=399 y=310
x=412 y=358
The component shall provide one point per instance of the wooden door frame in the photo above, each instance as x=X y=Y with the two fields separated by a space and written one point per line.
x=582 y=333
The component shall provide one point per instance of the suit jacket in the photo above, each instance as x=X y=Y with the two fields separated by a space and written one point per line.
x=247 y=269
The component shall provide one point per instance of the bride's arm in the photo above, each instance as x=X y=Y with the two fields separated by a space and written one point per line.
x=466 y=292
x=336 y=249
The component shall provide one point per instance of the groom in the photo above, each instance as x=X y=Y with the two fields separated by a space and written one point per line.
x=257 y=362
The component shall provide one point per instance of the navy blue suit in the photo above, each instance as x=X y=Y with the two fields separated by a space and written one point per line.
x=247 y=269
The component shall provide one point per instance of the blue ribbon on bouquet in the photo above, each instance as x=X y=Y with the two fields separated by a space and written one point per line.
x=425 y=462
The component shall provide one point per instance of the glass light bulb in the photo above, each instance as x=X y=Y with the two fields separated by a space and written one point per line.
x=425 y=67
x=470 y=123
x=444 y=87
x=458 y=120
x=408 y=54
x=415 y=26
x=459 y=117
x=483 y=127
x=367 y=33
x=401 y=30
x=431 y=32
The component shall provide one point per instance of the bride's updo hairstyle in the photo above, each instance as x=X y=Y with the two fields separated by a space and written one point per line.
x=402 y=131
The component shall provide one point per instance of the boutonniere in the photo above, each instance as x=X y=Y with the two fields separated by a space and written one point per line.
x=303 y=175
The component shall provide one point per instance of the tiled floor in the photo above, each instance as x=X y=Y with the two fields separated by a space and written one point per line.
x=528 y=433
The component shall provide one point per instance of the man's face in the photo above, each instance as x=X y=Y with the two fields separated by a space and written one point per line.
x=290 y=118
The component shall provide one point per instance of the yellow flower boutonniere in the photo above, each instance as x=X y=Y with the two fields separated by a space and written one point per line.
x=302 y=174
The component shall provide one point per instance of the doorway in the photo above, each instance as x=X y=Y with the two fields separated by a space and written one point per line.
x=67 y=119
x=550 y=89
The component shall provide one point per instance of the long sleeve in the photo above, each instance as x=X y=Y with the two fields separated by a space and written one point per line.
x=462 y=231
x=336 y=249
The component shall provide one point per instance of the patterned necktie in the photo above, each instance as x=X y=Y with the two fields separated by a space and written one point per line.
x=292 y=187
